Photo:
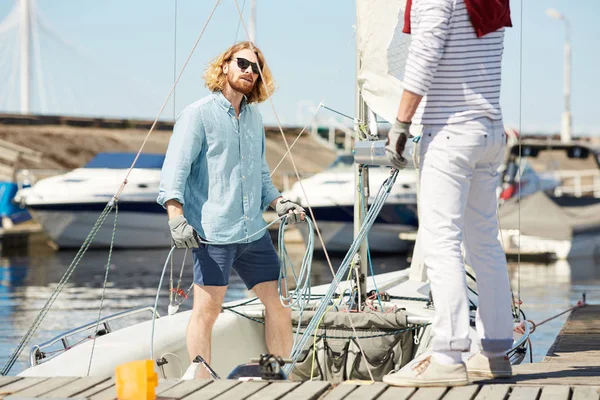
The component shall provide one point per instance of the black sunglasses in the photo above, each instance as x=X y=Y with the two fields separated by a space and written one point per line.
x=243 y=64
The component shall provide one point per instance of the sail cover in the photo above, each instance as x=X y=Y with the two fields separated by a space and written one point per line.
x=382 y=50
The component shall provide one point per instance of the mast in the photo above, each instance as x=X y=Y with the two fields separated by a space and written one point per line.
x=361 y=197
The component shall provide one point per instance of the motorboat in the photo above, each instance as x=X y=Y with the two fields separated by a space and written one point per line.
x=562 y=219
x=331 y=197
x=68 y=205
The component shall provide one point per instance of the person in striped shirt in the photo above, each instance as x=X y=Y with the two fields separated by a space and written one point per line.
x=451 y=99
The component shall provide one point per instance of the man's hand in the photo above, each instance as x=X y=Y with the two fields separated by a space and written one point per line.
x=184 y=236
x=294 y=212
x=396 y=142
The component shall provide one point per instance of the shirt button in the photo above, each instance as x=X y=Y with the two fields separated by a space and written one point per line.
x=246 y=216
x=243 y=177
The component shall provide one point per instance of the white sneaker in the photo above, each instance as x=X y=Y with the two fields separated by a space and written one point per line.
x=426 y=372
x=480 y=366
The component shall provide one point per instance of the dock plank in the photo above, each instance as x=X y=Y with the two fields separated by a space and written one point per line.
x=340 y=391
x=21 y=384
x=586 y=392
x=367 y=392
x=462 y=393
x=166 y=384
x=45 y=387
x=309 y=390
x=107 y=394
x=274 y=391
x=493 y=392
x=212 y=390
x=555 y=393
x=185 y=388
x=77 y=386
x=242 y=391
x=5 y=380
x=429 y=393
x=98 y=388
x=397 y=393
x=524 y=393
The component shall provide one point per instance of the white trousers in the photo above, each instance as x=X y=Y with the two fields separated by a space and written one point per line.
x=458 y=181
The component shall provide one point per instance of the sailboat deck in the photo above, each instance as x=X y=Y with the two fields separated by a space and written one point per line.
x=571 y=370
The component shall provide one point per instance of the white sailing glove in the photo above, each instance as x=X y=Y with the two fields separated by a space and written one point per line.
x=294 y=212
x=184 y=236
x=396 y=142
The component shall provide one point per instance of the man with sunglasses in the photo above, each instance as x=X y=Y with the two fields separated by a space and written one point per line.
x=215 y=184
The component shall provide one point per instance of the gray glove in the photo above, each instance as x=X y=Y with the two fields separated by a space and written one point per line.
x=294 y=212
x=184 y=236
x=396 y=142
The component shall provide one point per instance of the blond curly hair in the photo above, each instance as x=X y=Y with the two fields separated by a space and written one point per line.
x=215 y=79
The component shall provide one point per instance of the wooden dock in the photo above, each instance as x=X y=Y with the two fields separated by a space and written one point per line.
x=96 y=388
x=571 y=371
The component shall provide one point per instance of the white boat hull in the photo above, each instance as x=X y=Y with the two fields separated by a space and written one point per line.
x=68 y=229
x=235 y=339
x=580 y=246
x=338 y=236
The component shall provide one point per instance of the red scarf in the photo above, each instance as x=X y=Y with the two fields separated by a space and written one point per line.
x=486 y=15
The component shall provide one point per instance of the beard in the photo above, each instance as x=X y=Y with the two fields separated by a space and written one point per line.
x=240 y=85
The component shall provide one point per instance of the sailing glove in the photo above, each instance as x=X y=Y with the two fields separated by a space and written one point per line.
x=396 y=142
x=184 y=236
x=294 y=212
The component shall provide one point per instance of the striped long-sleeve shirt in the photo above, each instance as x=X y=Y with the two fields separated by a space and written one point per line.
x=457 y=73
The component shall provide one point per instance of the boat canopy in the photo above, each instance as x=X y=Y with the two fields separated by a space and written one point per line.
x=124 y=160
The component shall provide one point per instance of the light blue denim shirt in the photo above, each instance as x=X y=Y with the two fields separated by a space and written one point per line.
x=216 y=167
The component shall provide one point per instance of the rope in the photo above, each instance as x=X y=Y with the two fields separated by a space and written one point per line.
x=59 y=287
x=520 y=159
x=166 y=100
x=156 y=301
x=579 y=304
x=112 y=241
x=380 y=199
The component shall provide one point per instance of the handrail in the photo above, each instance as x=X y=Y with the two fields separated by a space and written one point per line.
x=521 y=341
x=36 y=349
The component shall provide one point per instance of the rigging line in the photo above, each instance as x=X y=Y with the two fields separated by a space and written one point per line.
x=110 y=253
x=520 y=158
x=321 y=104
x=337 y=112
x=295 y=140
x=174 y=58
x=167 y=99
x=291 y=157
x=239 y=21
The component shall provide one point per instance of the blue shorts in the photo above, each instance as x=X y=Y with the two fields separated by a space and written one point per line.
x=254 y=262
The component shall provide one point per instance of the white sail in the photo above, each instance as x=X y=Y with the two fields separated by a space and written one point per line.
x=383 y=49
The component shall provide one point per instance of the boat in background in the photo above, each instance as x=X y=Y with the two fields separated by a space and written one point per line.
x=331 y=196
x=68 y=205
x=561 y=219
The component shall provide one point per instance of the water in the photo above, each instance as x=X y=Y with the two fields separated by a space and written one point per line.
x=27 y=282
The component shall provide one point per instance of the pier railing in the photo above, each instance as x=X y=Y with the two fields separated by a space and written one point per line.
x=578 y=183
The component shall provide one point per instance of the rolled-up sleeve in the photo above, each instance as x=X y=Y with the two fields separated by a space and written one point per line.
x=428 y=38
x=269 y=191
x=184 y=147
